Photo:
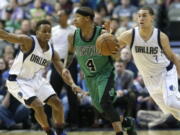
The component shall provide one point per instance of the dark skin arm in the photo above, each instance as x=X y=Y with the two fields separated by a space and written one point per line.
x=71 y=51
x=65 y=74
x=70 y=57
x=24 y=41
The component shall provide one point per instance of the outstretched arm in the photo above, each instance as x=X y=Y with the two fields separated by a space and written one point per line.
x=24 y=41
x=65 y=74
x=70 y=55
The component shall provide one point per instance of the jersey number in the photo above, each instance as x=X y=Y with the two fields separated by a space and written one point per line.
x=156 y=58
x=90 y=64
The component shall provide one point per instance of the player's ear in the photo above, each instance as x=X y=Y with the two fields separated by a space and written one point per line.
x=152 y=18
x=87 y=18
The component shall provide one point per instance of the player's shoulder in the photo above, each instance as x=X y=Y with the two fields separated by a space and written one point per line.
x=163 y=35
x=126 y=35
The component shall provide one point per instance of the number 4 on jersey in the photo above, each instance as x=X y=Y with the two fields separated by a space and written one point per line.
x=90 y=64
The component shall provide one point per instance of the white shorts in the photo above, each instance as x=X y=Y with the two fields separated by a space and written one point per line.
x=23 y=89
x=164 y=91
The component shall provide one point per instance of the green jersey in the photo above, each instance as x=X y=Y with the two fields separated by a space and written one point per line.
x=91 y=63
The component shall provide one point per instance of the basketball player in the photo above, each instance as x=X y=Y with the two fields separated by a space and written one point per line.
x=155 y=61
x=25 y=81
x=98 y=70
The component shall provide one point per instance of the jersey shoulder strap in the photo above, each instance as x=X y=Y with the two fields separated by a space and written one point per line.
x=132 y=39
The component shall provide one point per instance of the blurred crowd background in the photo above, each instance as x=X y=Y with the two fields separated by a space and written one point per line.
x=21 y=16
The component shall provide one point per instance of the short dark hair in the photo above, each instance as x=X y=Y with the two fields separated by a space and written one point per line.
x=86 y=11
x=151 y=11
x=42 y=22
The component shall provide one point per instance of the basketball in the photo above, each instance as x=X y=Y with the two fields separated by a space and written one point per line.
x=105 y=44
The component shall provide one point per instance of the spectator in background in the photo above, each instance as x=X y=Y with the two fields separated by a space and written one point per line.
x=25 y=27
x=2 y=69
x=162 y=20
x=98 y=19
x=3 y=43
x=23 y=3
x=65 y=4
x=59 y=40
x=17 y=12
x=127 y=58
x=123 y=84
x=37 y=13
x=48 y=8
x=114 y=25
x=45 y=5
x=13 y=112
x=5 y=74
x=102 y=9
x=110 y=7
x=124 y=10
x=10 y=25
x=144 y=101
x=33 y=27
x=8 y=54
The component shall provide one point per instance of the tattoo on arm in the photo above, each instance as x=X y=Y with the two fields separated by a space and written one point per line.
x=69 y=59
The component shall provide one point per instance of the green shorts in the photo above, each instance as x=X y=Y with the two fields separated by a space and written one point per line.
x=98 y=85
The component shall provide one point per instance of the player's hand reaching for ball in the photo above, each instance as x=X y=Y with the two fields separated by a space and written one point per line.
x=116 y=49
x=107 y=44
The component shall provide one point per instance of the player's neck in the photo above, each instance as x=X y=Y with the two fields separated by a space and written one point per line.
x=43 y=44
x=64 y=25
x=87 y=32
x=146 y=32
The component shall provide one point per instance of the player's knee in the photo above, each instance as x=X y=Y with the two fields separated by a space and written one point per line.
x=55 y=102
x=37 y=105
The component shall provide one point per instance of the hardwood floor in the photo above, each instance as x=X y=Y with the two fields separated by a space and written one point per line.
x=145 y=132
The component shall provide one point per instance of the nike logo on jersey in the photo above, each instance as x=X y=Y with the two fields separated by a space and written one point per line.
x=39 y=60
x=146 y=49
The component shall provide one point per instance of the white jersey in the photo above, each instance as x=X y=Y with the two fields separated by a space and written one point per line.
x=60 y=39
x=27 y=65
x=148 y=55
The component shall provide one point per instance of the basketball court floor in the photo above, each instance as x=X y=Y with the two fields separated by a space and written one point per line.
x=143 y=132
